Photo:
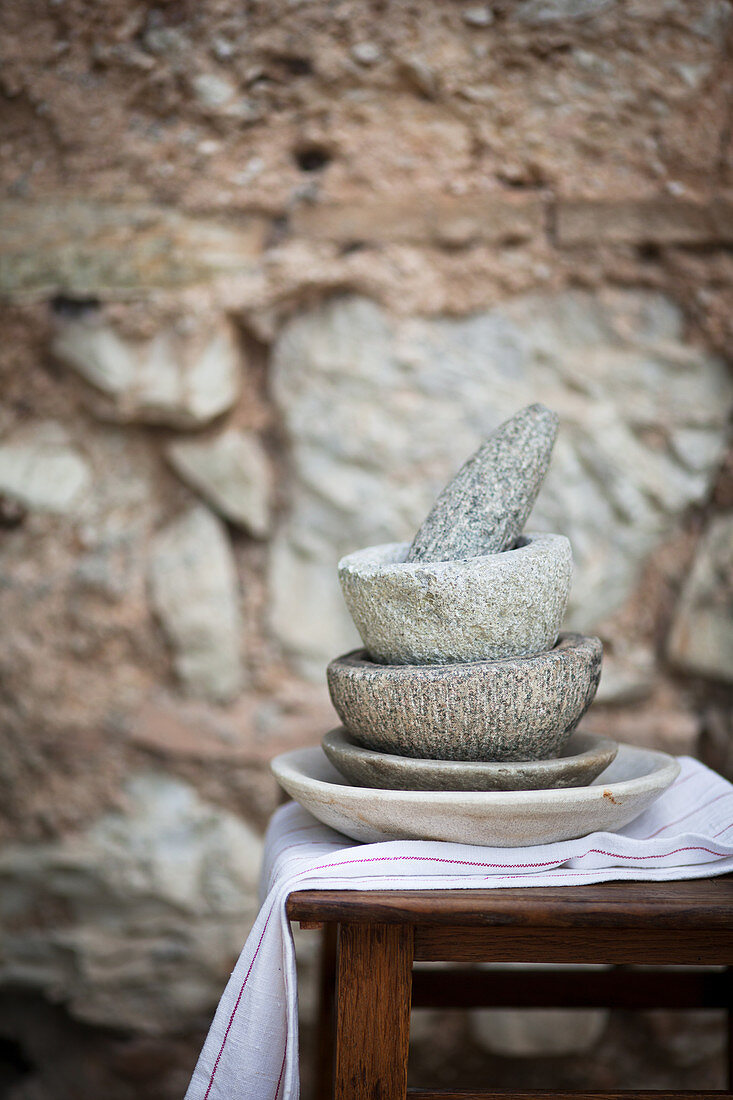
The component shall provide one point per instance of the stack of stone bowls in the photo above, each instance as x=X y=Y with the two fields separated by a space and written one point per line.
x=464 y=682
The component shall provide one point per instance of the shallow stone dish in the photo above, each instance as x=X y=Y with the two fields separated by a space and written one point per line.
x=500 y=819
x=583 y=758
x=519 y=708
x=472 y=609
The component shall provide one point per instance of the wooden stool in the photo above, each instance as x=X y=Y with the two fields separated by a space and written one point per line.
x=375 y=936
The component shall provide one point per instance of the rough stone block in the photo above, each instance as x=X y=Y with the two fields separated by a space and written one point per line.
x=154 y=900
x=184 y=376
x=538 y=13
x=540 y=1032
x=88 y=248
x=639 y=221
x=194 y=589
x=436 y=219
x=701 y=640
x=232 y=473
x=40 y=468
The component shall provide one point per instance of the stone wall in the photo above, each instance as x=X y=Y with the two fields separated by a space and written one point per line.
x=269 y=272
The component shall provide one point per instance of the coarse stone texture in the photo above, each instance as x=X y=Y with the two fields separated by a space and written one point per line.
x=581 y=759
x=194 y=589
x=41 y=469
x=135 y=922
x=438 y=219
x=473 y=609
x=484 y=508
x=701 y=639
x=667 y=222
x=89 y=248
x=184 y=376
x=232 y=472
x=518 y=709
x=537 y=12
x=379 y=412
x=79 y=646
x=222 y=159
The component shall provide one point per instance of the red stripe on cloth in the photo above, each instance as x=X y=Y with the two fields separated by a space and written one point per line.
x=236 y=1006
x=282 y=1070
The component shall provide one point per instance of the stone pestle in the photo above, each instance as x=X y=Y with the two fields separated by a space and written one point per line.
x=484 y=508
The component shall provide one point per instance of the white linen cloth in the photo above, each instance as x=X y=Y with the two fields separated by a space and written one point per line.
x=251 y=1052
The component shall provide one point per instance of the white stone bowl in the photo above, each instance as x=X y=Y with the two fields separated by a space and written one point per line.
x=509 y=604
x=501 y=819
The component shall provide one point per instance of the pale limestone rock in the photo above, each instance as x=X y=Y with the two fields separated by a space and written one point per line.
x=480 y=15
x=686 y=1036
x=380 y=412
x=184 y=376
x=627 y=676
x=156 y=899
x=539 y=12
x=307 y=610
x=194 y=589
x=232 y=473
x=41 y=468
x=366 y=53
x=212 y=90
x=701 y=640
x=539 y=1032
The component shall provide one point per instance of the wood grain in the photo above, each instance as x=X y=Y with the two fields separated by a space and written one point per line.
x=373 y=1016
x=702 y=903
x=646 y=946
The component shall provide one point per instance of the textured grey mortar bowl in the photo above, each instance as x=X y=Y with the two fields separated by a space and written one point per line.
x=519 y=708
x=581 y=760
x=509 y=604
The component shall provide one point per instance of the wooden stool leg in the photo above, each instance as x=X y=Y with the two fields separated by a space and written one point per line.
x=373 y=1011
x=326 y=1015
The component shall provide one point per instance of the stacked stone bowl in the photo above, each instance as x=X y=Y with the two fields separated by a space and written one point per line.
x=464 y=681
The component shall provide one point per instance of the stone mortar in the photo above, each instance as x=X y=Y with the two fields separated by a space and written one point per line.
x=522 y=708
x=479 y=609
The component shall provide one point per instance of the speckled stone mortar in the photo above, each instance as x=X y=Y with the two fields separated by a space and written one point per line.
x=478 y=609
x=581 y=760
x=521 y=708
